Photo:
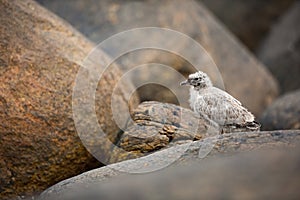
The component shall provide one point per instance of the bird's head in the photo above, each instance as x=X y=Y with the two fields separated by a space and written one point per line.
x=198 y=80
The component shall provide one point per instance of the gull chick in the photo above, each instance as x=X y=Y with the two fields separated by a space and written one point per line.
x=217 y=106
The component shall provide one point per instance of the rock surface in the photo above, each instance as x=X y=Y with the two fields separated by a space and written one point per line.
x=244 y=176
x=284 y=113
x=244 y=77
x=281 y=50
x=40 y=56
x=157 y=126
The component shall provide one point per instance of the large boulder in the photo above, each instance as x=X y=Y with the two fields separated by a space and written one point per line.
x=40 y=55
x=284 y=113
x=244 y=76
x=281 y=50
x=258 y=175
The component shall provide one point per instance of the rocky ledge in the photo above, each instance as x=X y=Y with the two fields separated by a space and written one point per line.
x=186 y=155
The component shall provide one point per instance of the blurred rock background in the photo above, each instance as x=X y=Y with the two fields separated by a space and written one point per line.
x=250 y=21
x=255 y=45
x=268 y=28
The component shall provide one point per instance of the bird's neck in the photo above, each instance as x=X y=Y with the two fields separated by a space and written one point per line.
x=194 y=94
x=200 y=88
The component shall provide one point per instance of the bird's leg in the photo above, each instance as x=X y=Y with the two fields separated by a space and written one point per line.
x=210 y=122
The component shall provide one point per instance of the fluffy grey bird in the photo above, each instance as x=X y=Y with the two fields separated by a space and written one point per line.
x=217 y=106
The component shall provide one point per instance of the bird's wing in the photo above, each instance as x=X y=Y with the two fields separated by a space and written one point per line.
x=222 y=108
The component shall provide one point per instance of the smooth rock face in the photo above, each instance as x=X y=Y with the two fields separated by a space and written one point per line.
x=230 y=177
x=40 y=56
x=244 y=77
x=258 y=23
x=281 y=50
x=284 y=113
x=225 y=178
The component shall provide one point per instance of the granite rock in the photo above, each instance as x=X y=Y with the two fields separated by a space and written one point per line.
x=224 y=173
x=40 y=56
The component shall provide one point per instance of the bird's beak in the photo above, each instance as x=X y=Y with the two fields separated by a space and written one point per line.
x=186 y=82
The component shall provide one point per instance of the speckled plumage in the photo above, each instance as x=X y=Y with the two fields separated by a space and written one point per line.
x=216 y=105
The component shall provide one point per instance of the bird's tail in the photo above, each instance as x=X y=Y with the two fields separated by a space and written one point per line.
x=253 y=126
x=249 y=126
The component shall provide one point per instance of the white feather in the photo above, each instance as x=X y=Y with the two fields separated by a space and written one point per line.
x=217 y=105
